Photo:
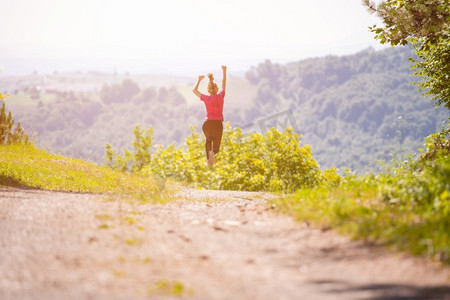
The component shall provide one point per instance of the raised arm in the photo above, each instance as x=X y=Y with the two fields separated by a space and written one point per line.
x=195 y=90
x=224 y=80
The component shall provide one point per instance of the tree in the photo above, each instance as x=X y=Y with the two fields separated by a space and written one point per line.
x=8 y=135
x=129 y=89
x=135 y=160
x=119 y=93
x=426 y=25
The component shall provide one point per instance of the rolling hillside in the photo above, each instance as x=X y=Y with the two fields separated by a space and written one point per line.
x=353 y=110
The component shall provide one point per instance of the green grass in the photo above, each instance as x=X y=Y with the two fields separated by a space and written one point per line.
x=382 y=209
x=28 y=166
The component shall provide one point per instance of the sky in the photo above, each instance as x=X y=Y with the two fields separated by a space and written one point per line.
x=176 y=37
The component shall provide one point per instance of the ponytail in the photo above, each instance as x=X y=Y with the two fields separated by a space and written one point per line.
x=212 y=87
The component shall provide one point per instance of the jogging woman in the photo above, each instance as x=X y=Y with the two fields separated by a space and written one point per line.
x=212 y=126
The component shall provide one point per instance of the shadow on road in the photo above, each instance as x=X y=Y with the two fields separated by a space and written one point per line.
x=385 y=291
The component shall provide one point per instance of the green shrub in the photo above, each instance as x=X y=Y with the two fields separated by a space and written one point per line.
x=274 y=161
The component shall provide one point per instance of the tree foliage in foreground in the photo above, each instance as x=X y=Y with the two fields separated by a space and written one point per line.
x=274 y=161
x=426 y=25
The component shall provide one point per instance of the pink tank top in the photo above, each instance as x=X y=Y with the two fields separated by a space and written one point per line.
x=214 y=105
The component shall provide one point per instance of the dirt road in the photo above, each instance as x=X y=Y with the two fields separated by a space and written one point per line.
x=210 y=245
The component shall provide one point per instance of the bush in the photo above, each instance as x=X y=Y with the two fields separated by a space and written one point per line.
x=274 y=161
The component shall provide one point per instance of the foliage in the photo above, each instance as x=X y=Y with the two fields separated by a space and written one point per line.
x=426 y=25
x=408 y=209
x=434 y=67
x=136 y=160
x=406 y=19
x=254 y=162
x=437 y=142
x=8 y=135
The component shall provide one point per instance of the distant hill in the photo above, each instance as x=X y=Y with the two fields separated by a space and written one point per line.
x=78 y=113
x=353 y=110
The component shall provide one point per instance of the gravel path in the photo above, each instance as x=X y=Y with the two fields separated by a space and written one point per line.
x=209 y=245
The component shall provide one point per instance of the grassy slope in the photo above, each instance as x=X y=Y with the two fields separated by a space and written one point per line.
x=360 y=207
x=28 y=166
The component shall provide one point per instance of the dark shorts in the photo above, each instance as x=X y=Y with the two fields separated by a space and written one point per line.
x=213 y=130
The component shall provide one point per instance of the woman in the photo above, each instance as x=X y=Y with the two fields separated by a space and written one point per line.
x=212 y=127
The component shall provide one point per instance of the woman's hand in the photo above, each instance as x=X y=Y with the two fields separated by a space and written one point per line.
x=200 y=77
x=224 y=68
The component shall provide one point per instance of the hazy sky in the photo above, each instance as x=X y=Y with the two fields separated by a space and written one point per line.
x=177 y=36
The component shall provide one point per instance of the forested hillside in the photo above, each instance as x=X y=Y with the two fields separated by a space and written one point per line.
x=353 y=110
